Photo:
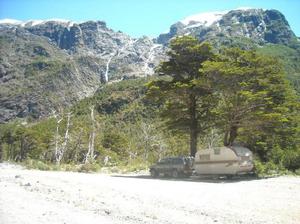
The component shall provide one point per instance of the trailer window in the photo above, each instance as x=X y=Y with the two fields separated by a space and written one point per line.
x=241 y=151
x=177 y=161
x=204 y=157
x=217 y=151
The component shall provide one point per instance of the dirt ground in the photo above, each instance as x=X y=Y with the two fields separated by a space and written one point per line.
x=39 y=197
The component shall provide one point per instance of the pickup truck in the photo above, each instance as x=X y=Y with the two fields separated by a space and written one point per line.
x=173 y=166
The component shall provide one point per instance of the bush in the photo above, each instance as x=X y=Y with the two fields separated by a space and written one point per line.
x=89 y=167
x=134 y=166
x=297 y=172
x=70 y=167
x=279 y=161
x=268 y=169
x=291 y=159
x=36 y=164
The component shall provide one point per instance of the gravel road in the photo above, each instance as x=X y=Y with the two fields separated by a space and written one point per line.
x=39 y=197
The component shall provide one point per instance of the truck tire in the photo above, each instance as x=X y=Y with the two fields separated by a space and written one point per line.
x=175 y=174
x=154 y=173
x=229 y=176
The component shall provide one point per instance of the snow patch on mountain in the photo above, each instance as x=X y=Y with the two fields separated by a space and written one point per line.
x=11 y=21
x=30 y=23
x=205 y=19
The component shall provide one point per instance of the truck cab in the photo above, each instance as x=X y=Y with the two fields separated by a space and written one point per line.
x=173 y=166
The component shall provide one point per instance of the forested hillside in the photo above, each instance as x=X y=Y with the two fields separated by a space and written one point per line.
x=126 y=126
x=127 y=123
x=289 y=56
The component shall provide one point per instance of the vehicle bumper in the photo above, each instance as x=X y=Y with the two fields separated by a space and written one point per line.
x=245 y=169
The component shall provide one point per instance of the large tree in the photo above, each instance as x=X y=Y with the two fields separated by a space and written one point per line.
x=184 y=92
x=253 y=93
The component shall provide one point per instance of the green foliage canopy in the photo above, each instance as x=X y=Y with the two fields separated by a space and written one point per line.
x=185 y=93
x=252 y=91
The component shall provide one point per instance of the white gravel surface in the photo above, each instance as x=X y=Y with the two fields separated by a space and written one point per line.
x=39 y=197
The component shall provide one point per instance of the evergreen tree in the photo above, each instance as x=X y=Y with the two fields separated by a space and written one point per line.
x=253 y=94
x=185 y=94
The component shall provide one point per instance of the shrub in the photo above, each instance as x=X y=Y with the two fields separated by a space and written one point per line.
x=89 y=167
x=297 y=172
x=268 y=169
x=134 y=166
x=36 y=164
x=291 y=159
x=70 y=167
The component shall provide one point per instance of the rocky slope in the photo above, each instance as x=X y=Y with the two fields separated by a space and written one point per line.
x=121 y=54
x=36 y=77
x=261 y=26
x=48 y=65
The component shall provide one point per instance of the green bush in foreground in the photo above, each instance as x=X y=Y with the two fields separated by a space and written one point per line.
x=39 y=165
x=267 y=169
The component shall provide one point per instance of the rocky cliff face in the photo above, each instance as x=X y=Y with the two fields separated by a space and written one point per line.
x=120 y=54
x=47 y=65
x=51 y=64
x=261 y=26
x=37 y=77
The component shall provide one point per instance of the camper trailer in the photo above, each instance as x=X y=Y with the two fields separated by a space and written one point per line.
x=229 y=161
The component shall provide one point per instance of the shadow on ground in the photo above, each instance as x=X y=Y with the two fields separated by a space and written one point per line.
x=203 y=179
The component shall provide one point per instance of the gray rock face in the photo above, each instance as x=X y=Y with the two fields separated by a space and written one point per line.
x=261 y=26
x=37 y=77
x=118 y=52
x=51 y=65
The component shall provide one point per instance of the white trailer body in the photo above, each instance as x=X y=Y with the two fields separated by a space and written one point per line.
x=233 y=160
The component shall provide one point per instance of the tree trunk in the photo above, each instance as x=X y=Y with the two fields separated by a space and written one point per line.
x=193 y=126
x=193 y=142
x=226 y=138
x=1 y=151
x=58 y=120
x=90 y=154
x=22 y=149
x=230 y=136
x=233 y=134
x=60 y=149
x=77 y=145
x=66 y=139
x=11 y=152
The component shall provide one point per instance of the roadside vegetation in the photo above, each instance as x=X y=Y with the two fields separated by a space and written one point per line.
x=202 y=98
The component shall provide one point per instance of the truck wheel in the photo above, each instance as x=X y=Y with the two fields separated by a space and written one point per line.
x=153 y=173
x=175 y=173
x=187 y=175
x=229 y=177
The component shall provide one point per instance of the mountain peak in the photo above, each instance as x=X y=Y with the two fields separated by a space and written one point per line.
x=10 y=21
x=30 y=23
x=208 y=18
x=260 y=25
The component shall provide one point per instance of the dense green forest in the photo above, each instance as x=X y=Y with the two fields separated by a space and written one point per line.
x=202 y=97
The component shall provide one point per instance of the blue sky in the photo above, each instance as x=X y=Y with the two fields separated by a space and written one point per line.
x=137 y=17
